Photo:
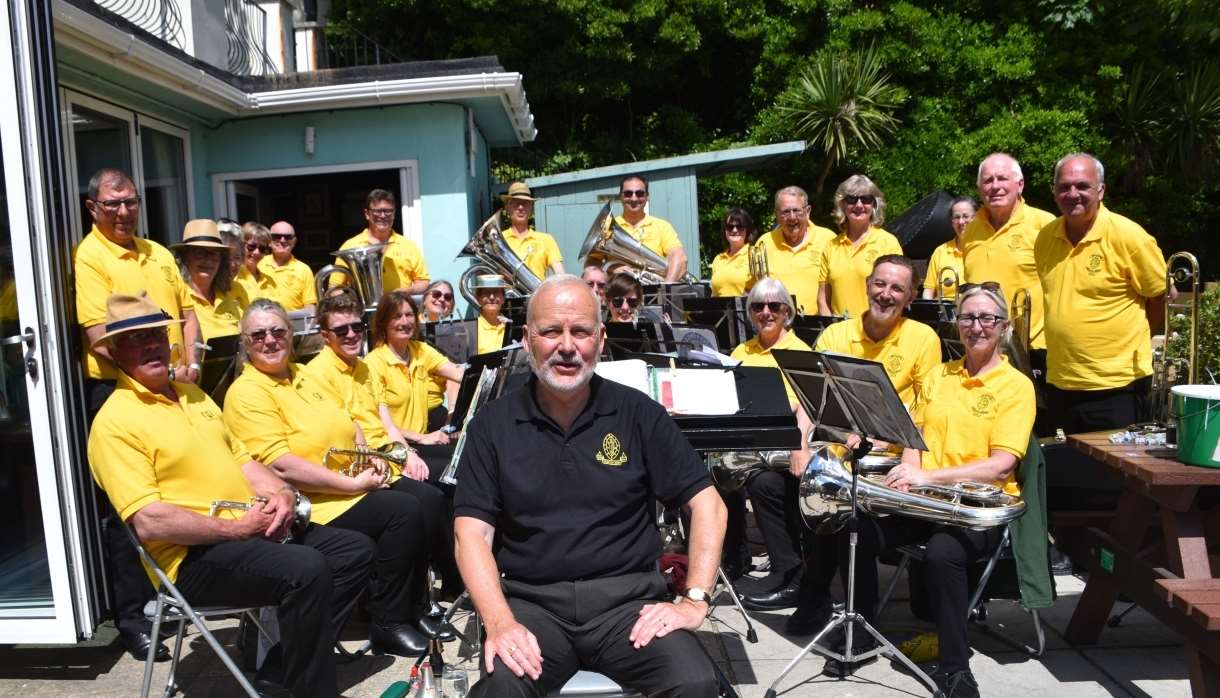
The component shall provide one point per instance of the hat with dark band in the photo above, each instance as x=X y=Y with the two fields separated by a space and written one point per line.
x=201 y=232
x=126 y=313
x=518 y=190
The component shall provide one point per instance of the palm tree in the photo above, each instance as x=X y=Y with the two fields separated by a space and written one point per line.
x=842 y=103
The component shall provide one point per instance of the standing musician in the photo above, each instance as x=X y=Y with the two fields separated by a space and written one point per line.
x=774 y=493
x=848 y=259
x=293 y=280
x=794 y=247
x=283 y=415
x=257 y=240
x=161 y=484
x=1098 y=270
x=489 y=292
x=538 y=250
x=204 y=258
x=949 y=254
x=403 y=265
x=731 y=268
x=976 y=414
x=654 y=233
x=564 y=511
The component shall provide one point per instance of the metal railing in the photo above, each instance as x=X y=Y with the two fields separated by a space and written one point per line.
x=348 y=48
x=246 y=31
x=161 y=18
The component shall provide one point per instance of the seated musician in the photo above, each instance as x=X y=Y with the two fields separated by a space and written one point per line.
x=438 y=306
x=731 y=268
x=204 y=258
x=976 y=414
x=344 y=378
x=774 y=493
x=563 y=508
x=162 y=485
x=257 y=240
x=595 y=277
x=624 y=296
x=489 y=291
x=282 y=414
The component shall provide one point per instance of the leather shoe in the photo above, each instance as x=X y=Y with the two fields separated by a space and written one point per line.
x=402 y=639
x=840 y=670
x=783 y=597
x=959 y=684
x=804 y=623
x=435 y=628
x=137 y=645
x=270 y=689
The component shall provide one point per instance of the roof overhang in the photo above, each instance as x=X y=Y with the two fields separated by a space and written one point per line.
x=707 y=164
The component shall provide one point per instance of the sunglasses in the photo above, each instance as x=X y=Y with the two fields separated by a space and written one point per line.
x=350 y=328
x=265 y=249
x=634 y=193
x=113 y=205
x=282 y=237
x=774 y=306
x=862 y=199
x=735 y=226
x=380 y=212
x=440 y=296
x=618 y=301
x=260 y=336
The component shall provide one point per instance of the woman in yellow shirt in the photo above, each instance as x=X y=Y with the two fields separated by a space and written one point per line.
x=257 y=240
x=731 y=268
x=438 y=301
x=949 y=254
x=204 y=260
x=279 y=412
x=847 y=260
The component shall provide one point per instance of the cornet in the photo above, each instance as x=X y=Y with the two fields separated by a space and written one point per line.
x=301 y=511
x=362 y=456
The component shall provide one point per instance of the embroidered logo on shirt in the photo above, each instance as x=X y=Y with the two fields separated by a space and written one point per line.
x=982 y=406
x=1094 y=264
x=612 y=451
x=208 y=414
x=169 y=273
x=893 y=364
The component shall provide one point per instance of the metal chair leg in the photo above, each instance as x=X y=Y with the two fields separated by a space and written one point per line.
x=152 y=649
x=171 y=682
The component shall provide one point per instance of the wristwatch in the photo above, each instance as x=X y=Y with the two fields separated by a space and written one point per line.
x=696 y=594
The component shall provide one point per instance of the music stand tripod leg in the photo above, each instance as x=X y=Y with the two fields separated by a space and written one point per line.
x=751 y=634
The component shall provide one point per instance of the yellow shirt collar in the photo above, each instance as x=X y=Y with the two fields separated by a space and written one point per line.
x=146 y=395
x=782 y=242
x=958 y=368
x=337 y=361
x=118 y=250
x=1094 y=232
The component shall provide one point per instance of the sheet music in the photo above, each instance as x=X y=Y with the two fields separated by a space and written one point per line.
x=699 y=391
x=632 y=373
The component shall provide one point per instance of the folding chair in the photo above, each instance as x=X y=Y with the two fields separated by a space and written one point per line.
x=170 y=606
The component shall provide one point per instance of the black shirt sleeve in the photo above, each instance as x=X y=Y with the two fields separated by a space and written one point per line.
x=676 y=471
x=478 y=490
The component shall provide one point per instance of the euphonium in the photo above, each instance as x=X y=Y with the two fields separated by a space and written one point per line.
x=733 y=468
x=362 y=456
x=826 y=489
x=363 y=272
x=1175 y=363
x=301 y=512
x=759 y=267
x=608 y=240
x=495 y=257
x=1016 y=346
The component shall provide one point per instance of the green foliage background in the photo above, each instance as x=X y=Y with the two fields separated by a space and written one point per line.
x=1136 y=82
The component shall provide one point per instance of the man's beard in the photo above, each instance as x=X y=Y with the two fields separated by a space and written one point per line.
x=562 y=384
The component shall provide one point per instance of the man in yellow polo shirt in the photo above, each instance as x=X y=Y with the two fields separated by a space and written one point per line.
x=1098 y=271
x=162 y=454
x=403 y=265
x=538 y=250
x=795 y=246
x=654 y=233
x=292 y=278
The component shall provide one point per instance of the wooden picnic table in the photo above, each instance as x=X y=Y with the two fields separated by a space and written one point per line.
x=1157 y=488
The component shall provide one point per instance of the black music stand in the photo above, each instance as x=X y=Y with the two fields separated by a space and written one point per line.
x=854 y=395
x=514 y=309
x=510 y=357
x=940 y=315
x=218 y=367
x=809 y=327
x=671 y=296
x=456 y=339
x=726 y=315
x=624 y=338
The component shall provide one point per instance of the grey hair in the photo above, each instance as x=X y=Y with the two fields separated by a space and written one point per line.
x=261 y=305
x=792 y=191
x=1016 y=167
x=565 y=280
x=996 y=297
x=111 y=176
x=859 y=185
x=1097 y=166
x=769 y=289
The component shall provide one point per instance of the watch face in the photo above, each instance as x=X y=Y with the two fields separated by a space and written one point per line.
x=696 y=594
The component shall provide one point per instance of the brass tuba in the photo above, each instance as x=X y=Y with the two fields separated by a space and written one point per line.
x=362 y=456
x=494 y=256
x=826 y=489
x=1175 y=362
x=301 y=512
x=608 y=240
x=363 y=272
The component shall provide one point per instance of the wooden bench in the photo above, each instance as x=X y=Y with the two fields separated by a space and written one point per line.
x=1197 y=598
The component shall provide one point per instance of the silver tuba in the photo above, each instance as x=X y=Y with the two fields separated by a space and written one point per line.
x=826 y=489
x=363 y=272
x=495 y=257
x=731 y=470
x=608 y=240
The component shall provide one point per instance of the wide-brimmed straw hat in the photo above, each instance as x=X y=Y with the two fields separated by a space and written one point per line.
x=489 y=281
x=201 y=232
x=518 y=190
x=125 y=313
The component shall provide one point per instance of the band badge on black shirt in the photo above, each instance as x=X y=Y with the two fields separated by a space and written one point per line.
x=611 y=452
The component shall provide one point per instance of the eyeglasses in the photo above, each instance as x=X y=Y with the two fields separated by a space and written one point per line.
x=441 y=296
x=618 y=301
x=734 y=226
x=634 y=193
x=260 y=336
x=282 y=237
x=774 y=306
x=350 y=328
x=380 y=212
x=985 y=321
x=792 y=212
x=862 y=199
x=993 y=286
x=258 y=248
x=113 y=205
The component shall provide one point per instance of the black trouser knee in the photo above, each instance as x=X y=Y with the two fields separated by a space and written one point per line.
x=775 y=498
x=394 y=523
x=436 y=511
x=950 y=552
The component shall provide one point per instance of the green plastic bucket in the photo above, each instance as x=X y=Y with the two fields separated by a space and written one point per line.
x=1197 y=410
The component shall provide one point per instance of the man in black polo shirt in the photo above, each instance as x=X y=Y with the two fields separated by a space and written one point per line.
x=560 y=478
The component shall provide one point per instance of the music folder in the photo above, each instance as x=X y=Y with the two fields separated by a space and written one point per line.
x=510 y=358
x=216 y=369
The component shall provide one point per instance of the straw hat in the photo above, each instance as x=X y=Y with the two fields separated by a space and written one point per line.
x=126 y=313
x=489 y=281
x=201 y=232
x=518 y=190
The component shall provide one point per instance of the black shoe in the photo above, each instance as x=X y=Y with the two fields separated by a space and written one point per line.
x=435 y=628
x=270 y=689
x=402 y=639
x=1060 y=563
x=840 y=670
x=803 y=623
x=137 y=645
x=959 y=684
x=783 y=597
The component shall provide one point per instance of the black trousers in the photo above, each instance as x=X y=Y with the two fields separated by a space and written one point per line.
x=313 y=580
x=821 y=564
x=436 y=511
x=395 y=523
x=736 y=551
x=777 y=511
x=586 y=624
x=1078 y=411
x=950 y=552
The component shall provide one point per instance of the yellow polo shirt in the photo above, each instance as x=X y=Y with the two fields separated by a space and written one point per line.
x=731 y=273
x=909 y=354
x=220 y=317
x=402 y=262
x=145 y=448
x=797 y=267
x=353 y=389
x=404 y=387
x=751 y=353
x=948 y=255
x=294 y=287
x=276 y=417
x=1007 y=256
x=654 y=233
x=846 y=266
x=1097 y=335
x=964 y=418
x=262 y=287
x=103 y=268
x=491 y=337
x=538 y=250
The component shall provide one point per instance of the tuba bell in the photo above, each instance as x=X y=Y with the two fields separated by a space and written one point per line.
x=1175 y=363
x=608 y=241
x=363 y=273
x=494 y=256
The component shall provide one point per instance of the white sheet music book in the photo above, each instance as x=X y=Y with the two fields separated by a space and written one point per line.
x=632 y=373
x=682 y=391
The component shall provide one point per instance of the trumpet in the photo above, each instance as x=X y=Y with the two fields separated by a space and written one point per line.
x=759 y=267
x=362 y=456
x=301 y=511
x=1176 y=362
